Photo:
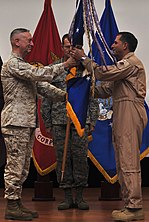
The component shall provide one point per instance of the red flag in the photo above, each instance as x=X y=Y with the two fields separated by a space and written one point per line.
x=47 y=43
x=43 y=150
x=47 y=49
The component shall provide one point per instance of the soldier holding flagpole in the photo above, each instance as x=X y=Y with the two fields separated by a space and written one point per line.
x=126 y=83
x=75 y=165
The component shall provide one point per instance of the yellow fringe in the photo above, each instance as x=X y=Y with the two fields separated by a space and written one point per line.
x=74 y=119
x=144 y=154
x=104 y=173
x=90 y=138
x=93 y=159
x=101 y=169
x=39 y=170
x=72 y=73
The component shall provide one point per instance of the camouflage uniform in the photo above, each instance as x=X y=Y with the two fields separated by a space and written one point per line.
x=54 y=115
x=2 y=144
x=20 y=87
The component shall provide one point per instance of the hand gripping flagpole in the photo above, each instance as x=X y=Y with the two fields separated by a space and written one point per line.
x=89 y=24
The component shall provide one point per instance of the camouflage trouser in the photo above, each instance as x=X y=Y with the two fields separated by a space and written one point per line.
x=76 y=168
x=19 y=141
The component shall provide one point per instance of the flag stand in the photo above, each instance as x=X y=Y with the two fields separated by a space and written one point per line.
x=43 y=189
x=110 y=191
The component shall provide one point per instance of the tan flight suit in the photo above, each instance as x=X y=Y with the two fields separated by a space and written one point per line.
x=20 y=85
x=127 y=85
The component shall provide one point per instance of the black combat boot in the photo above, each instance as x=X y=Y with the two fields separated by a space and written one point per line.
x=68 y=201
x=79 y=202
x=13 y=212
x=26 y=210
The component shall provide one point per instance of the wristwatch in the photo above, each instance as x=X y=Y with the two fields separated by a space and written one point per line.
x=83 y=58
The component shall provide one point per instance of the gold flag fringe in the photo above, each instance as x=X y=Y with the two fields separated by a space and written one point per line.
x=74 y=119
x=38 y=168
x=111 y=180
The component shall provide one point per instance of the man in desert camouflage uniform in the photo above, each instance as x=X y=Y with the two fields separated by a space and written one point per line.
x=20 y=84
x=2 y=144
x=55 y=118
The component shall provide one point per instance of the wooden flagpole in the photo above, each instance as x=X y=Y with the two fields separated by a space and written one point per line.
x=65 y=147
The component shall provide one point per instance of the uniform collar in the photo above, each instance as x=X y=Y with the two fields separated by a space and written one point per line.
x=14 y=55
x=128 y=55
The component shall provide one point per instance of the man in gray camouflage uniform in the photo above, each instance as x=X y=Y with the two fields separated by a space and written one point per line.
x=55 y=118
x=20 y=84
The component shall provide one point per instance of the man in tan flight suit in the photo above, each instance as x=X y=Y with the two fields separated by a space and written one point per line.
x=20 y=82
x=126 y=83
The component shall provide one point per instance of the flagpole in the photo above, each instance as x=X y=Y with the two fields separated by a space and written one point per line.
x=65 y=148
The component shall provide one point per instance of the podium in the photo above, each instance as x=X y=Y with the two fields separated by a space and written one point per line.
x=43 y=189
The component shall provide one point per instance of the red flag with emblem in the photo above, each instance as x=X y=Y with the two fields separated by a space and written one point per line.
x=47 y=43
x=47 y=49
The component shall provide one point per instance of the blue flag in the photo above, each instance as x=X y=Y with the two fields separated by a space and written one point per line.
x=78 y=90
x=76 y=31
x=109 y=29
x=144 y=150
x=101 y=150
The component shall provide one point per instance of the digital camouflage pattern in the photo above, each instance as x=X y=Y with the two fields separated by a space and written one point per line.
x=19 y=143
x=76 y=168
x=55 y=112
x=54 y=116
x=19 y=81
x=20 y=87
